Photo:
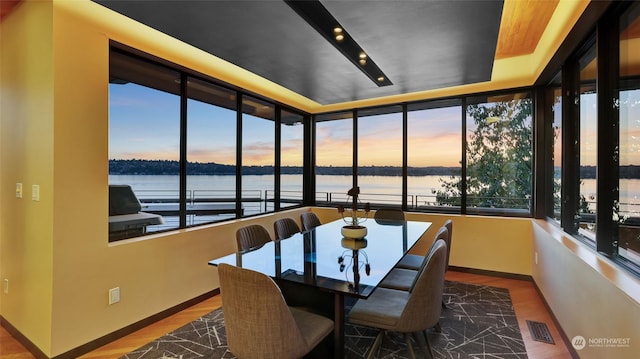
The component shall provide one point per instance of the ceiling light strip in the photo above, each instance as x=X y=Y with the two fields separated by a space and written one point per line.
x=314 y=13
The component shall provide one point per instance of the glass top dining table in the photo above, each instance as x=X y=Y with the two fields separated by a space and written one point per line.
x=323 y=259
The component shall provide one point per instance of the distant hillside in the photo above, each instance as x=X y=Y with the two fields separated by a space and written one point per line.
x=158 y=167
x=626 y=172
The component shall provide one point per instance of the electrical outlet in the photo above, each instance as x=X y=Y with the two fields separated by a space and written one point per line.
x=18 y=190
x=114 y=295
x=5 y=286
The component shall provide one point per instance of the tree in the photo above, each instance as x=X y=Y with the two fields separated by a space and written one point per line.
x=499 y=157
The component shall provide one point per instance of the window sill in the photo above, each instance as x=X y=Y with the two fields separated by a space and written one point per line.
x=615 y=271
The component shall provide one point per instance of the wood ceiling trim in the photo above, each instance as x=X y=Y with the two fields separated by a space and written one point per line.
x=522 y=26
x=629 y=59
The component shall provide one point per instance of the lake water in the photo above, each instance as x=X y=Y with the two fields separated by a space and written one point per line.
x=384 y=189
x=369 y=185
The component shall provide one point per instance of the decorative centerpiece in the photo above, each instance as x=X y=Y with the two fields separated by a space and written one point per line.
x=351 y=258
x=354 y=231
x=353 y=243
x=354 y=228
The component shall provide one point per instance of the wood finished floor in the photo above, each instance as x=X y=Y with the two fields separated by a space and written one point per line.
x=527 y=303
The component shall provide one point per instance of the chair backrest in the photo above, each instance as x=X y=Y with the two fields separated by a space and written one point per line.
x=389 y=214
x=424 y=306
x=251 y=236
x=285 y=228
x=449 y=225
x=442 y=235
x=257 y=319
x=309 y=220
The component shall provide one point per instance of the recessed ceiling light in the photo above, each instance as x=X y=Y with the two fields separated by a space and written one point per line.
x=322 y=21
x=337 y=32
x=363 y=58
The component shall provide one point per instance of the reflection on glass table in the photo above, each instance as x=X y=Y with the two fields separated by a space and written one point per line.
x=322 y=262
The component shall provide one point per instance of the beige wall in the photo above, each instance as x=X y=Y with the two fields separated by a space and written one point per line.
x=26 y=156
x=590 y=296
x=488 y=243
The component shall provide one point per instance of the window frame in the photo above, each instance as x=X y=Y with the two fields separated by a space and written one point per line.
x=605 y=38
x=185 y=74
x=462 y=101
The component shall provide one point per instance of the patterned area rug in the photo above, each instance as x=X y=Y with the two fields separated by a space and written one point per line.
x=479 y=322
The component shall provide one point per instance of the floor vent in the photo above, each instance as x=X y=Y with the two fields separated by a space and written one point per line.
x=540 y=332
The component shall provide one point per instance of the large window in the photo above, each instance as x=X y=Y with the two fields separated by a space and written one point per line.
x=211 y=152
x=258 y=155
x=380 y=156
x=144 y=146
x=499 y=154
x=600 y=134
x=334 y=157
x=428 y=175
x=291 y=158
x=174 y=157
x=434 y=155
x=588 y=142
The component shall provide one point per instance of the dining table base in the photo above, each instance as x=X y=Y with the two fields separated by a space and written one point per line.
x=328 y=304
x=338 y=325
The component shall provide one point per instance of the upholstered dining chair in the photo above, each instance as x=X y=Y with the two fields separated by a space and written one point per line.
x=309 y=221
x=258 y=322
x=407 y=312
x=285 y=228
x=392 y=214
x=414 y=261
x=251 y=236
x=405 y=279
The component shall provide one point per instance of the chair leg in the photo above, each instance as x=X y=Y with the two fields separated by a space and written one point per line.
x=438 y=328
x=428 y=352
x=420 y=339
x=407 y=338
x=376 y=344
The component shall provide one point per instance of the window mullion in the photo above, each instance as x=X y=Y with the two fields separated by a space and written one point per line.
x=183 y=152
x=608 y=135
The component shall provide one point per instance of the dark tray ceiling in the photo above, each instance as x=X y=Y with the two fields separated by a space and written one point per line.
x=420 y=45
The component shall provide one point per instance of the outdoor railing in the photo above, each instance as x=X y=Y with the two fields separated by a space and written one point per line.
x=259 y=201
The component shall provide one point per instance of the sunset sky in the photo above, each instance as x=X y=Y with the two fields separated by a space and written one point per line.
x=144 y=124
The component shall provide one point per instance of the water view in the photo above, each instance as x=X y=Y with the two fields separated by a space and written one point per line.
x=332 y=188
